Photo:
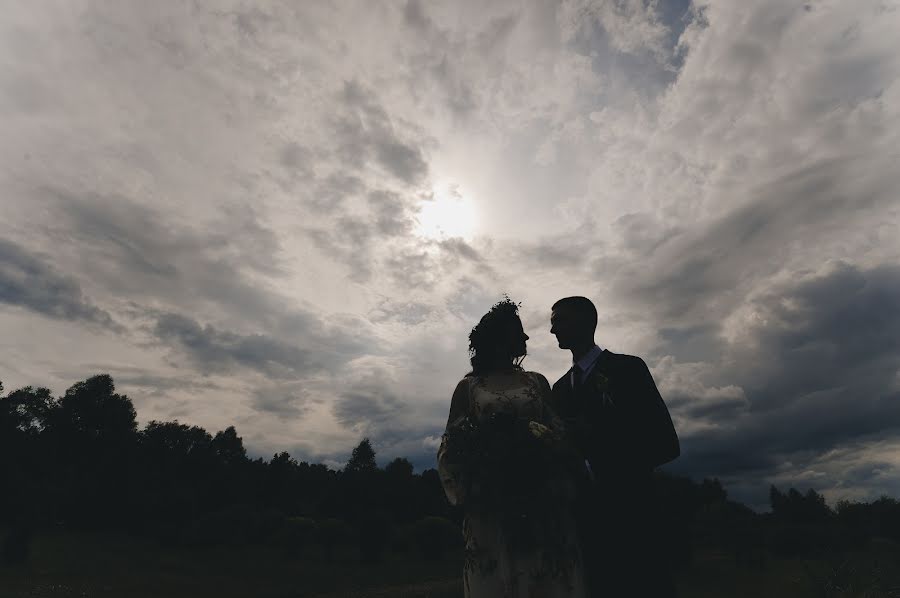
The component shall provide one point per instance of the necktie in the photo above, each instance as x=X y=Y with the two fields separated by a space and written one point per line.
x=576 y=377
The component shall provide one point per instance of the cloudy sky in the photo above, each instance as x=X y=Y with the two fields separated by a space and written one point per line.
x=286 y=216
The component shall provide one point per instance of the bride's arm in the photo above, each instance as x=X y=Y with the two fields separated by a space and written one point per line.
x=455 y=477
x=459 y=403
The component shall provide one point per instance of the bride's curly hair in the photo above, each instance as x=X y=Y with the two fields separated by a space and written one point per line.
x=492 y=341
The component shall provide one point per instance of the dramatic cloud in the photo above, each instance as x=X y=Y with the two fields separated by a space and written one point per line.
x=29 y=282
x=815 y=370
x=288 y=217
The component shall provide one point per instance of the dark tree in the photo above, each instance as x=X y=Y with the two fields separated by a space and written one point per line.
x=26 y=411
x=79 y=460
x=399 y=469
x=93 y=432
x=229 y=447
x=796 y=508
x=92 y=409
x=362 y=460
x=177 y=441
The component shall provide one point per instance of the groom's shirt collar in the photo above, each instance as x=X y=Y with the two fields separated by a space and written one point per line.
x=588 y=361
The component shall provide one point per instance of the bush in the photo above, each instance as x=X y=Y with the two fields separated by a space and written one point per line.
x=798 y=540
x=401 y=539
x=295 y=535
x=330 y=534
x=16 y=545
x=237 y=524
x=435 y=536
x=374 y=529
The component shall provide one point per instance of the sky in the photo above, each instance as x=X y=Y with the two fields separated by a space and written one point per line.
x=287 y=216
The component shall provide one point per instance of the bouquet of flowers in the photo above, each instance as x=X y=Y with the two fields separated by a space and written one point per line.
x=462 y=442
x=507 y=457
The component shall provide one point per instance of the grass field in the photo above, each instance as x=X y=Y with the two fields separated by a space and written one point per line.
x=88 y=564
x=111 y=565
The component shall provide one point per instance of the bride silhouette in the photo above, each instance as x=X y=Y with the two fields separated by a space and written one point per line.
x=505 y=460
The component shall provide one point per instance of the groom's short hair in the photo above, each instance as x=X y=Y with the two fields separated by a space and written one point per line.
x=582 y=307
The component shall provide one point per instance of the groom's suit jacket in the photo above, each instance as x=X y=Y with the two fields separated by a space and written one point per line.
x=622 y=428
x=619 y=423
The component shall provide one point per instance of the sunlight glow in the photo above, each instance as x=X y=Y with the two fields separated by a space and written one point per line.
x=446 y=213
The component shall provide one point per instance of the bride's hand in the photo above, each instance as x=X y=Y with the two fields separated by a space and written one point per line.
x=539 y=430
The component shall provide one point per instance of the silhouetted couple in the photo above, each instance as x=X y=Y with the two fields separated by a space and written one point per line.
x=556 y=484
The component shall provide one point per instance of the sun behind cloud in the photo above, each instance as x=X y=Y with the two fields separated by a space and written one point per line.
x=446 y=213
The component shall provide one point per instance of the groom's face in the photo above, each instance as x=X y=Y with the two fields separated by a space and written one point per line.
x=565 y=326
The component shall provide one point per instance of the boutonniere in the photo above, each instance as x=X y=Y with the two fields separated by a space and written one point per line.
x=601 y=385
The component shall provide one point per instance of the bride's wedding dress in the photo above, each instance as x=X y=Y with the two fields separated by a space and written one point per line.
x=520 y=539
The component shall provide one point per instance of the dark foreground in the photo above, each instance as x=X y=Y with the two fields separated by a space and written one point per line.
x=114 y=565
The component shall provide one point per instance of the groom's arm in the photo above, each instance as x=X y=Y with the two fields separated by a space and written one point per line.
x=656 y=441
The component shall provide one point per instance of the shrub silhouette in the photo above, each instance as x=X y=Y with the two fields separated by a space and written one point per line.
x=330 y=534
x=15 y=545
x=296 y=535
x=373 y=530
x=435 y=536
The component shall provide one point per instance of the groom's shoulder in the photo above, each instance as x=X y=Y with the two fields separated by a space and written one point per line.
x=625 y=361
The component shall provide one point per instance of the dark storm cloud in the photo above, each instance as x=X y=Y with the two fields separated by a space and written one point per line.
x=147 y=380
x=149 y=388
x=27 y=280
x=717 y=404
x=284 y=400
x=365 y=408
x=706 y=271
x=146 y=242
x=819 y=370
x=412 y=441
x=211 y=349
x=839 y=329
x=368 y=401
x=374 y=405
x=366 y=131
x=692 y=342
x=133 y=250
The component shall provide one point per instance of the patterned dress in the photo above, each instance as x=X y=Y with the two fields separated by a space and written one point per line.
x=520 y=539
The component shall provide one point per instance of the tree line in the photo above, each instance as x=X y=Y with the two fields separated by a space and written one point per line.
x=80 y=462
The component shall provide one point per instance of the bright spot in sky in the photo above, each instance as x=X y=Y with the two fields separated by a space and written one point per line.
x=447 y=213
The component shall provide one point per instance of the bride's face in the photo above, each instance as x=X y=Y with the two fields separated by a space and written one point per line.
x=518 y=339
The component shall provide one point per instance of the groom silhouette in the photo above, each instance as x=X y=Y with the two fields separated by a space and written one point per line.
x=621 y=427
